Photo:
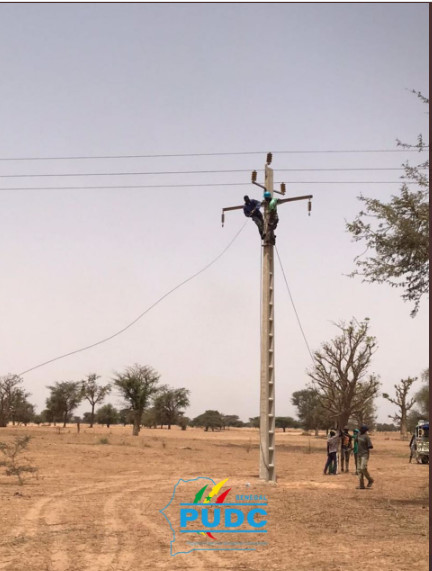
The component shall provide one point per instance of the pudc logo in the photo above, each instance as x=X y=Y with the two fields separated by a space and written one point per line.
x=207 y=512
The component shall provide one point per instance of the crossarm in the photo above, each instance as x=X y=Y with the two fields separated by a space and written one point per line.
x=229 y=208
x=308 y=196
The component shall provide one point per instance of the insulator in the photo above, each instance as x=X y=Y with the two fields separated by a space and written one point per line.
x=223 y=218
x=283 y=188
x=309 y=207
x=254 y=176
x=269 y=158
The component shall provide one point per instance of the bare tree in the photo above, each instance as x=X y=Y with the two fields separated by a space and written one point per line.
x=340 y=369
x=401 y=401
x=94 y=393
x=137 y=385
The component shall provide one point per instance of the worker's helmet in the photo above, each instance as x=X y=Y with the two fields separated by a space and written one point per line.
x=267 y=194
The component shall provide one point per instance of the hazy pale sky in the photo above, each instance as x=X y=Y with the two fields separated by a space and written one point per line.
x=167 y=79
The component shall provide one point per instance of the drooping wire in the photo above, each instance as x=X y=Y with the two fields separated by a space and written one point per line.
x=206 y=267
x=294 y=307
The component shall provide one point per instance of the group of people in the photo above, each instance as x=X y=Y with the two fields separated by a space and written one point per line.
x=359 y=443
x=251 y=209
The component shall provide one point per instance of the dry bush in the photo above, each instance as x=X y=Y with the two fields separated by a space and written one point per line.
x=15 y=463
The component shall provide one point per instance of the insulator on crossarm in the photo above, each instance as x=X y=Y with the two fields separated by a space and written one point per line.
x=283 y=188
x=254 y=176
x=269 y=158
x=223 y=218
x=309 y=207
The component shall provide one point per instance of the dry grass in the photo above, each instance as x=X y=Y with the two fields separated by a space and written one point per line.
x=96 y=508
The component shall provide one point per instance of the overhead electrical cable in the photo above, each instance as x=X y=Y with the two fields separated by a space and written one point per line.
x=200 y=185
x=294 y=307
x=206 y=267
x=37 y=175
x=167 y=155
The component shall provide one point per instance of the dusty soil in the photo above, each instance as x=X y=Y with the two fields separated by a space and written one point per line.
x=95 y=506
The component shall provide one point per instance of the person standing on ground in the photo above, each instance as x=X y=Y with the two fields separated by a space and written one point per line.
x=346 y=450
x=364 y=445
x=355 y=448
x=251 y=209
x=332 y=447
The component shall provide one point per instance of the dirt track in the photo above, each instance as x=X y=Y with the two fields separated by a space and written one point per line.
x=95 y=507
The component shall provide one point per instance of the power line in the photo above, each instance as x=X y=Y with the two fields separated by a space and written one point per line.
x=294 y=307
x=293 y=182
x=37 y=175
x=206 y=267
x=166 y=155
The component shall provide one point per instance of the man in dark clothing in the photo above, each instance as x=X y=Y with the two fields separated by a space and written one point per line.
x=346 y=449
x=364 y=445
x=251 y=209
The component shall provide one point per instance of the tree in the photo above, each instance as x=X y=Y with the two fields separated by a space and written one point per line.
x=310 y=411
x=365 y=415
x=209 y=419
x=402 y=402
x=169 y=404
x=94 y=393
x=285 y=422
x=232 y=420
x=10 y=395
x=396 y=233
x=339 y=372
x=23 y=412
x=254 y=422
x=64 y=399
x=421 y=411
x=384 y=427
x=126 y=416
x=137 y=385
x=107 y=414
x=150 y=418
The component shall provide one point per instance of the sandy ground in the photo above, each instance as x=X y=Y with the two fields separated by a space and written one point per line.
x=95 y=506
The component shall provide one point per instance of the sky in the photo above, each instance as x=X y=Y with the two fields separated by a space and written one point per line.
x=223 y=84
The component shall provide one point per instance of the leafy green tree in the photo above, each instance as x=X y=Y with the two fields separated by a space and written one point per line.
x=254 y=422
x=285 y=422
x=94 y=393
x=11 y=394
x=107 y=414
x=402 y=402
x=137 y=385
x=310 y=411
x=23 y=412
x=169 y=405
x=126 y=416
x=340 y=371
x=232 y=420
x=396 y=234
x=64 y=399
x=209 y=419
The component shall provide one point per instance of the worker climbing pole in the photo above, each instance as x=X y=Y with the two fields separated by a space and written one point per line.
x=267 y=223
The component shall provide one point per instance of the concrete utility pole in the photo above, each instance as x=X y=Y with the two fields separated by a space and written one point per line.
x=267 y=465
